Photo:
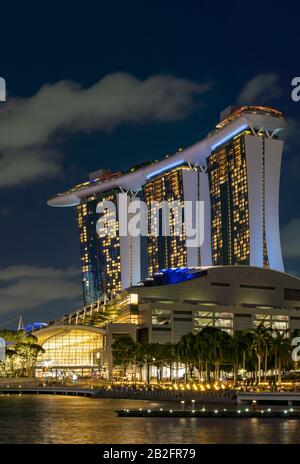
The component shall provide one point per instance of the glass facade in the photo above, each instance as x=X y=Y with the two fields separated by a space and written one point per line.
x=221 y=320
x=110 y=255
x=161 y=317
x=166 y=252
x=89 y=251
x=274 y=321
x=73 y=349
x=229 y=204
x=100 y=256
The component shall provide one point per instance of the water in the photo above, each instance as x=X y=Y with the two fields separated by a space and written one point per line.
x=62 y=419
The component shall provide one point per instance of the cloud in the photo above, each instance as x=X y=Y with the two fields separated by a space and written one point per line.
x=290 y=240
x=261 y=89
x=24 y=287
x=32 y=128
x=28 y=165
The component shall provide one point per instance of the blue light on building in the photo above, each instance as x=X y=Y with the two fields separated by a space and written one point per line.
x=35 y=326
x=164 y=168
x=229 y=136
x=174 y=276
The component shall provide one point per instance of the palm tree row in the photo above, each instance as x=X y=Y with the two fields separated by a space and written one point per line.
x=209 y=352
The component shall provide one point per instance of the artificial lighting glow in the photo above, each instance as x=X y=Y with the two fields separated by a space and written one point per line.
x=133 y=298
x=164 y=168
x=229 y=136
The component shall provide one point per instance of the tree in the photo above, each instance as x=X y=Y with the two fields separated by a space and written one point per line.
x=21 y=352
x=123 y=352
x=157 y=352
x=147 y=355
x=239 y=345
x=169 y=356
x=261 y=339
x=27 y=354
x=97 y=319
x=216 y=345
x=184 y=350
x=281 y=348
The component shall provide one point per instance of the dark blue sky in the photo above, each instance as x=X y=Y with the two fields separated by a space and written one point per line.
x=225 y=45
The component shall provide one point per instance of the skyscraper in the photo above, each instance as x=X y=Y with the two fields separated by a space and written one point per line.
x=235 y=171
x=244 y=175
x=180 y=184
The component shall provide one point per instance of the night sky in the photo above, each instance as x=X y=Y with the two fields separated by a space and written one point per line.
x=111 y=86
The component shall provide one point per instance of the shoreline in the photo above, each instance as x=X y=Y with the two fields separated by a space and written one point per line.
x=125 y=393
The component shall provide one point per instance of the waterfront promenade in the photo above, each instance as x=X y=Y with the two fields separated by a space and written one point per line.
x=123 y=392
x=149 y=393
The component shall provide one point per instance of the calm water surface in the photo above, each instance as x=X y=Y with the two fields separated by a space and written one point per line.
x=48 y=419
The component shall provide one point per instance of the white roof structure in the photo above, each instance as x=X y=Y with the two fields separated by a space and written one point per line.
x=256 y=118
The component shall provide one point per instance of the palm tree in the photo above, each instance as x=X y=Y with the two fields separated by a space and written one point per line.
x=184 y=351
x=217 y=344
x=281 y=348
x=200 y=352
x=260 y=342
x=238 y=348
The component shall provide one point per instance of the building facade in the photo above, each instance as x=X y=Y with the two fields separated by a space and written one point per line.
x=110 y=262
x=235 y=171
x=167 y=306
x=175 y=302
x=179 y=185
x=244 y=176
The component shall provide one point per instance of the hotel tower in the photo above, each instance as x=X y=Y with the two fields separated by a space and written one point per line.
x=234 y=170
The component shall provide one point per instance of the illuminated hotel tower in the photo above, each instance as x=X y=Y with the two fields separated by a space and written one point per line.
x=109 y=263
x=235 y=170
x=244 y=178
x=182 y=183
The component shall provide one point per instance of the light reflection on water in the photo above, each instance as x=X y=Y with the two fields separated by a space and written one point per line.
x=62 y=419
